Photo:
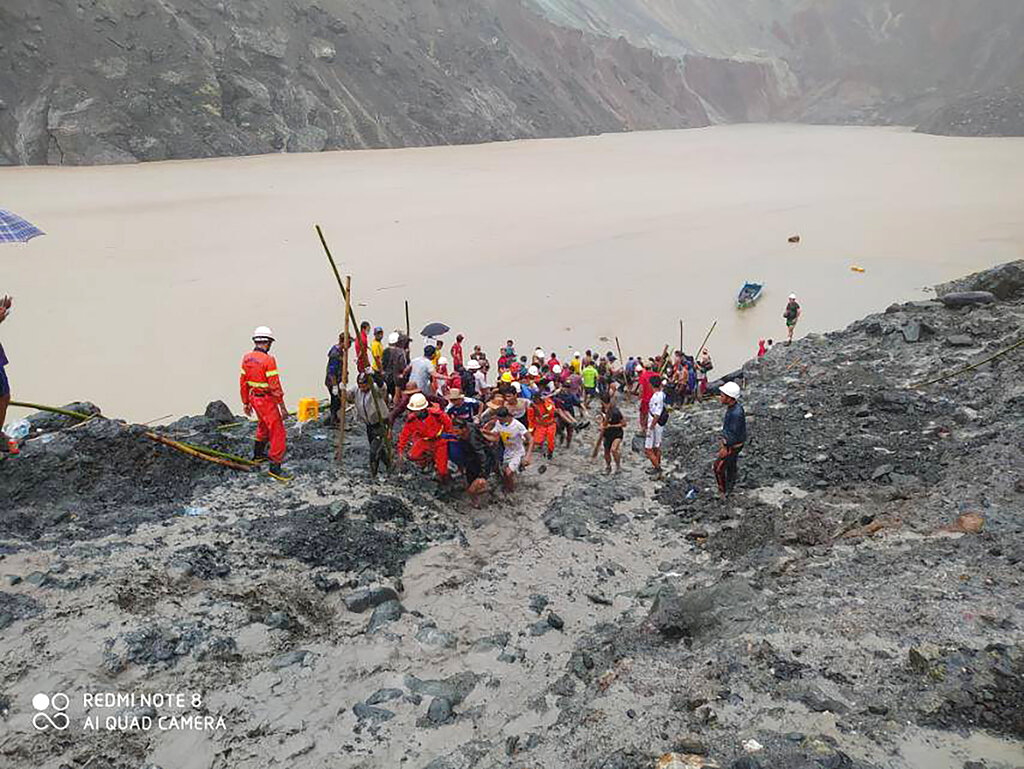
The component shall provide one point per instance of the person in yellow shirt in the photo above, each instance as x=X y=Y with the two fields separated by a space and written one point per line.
x=377 y=350
x=576 y=363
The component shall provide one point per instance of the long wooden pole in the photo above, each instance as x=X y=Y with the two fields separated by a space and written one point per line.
x=350 y=314
x=344 y=372
x=408 y=329
x=701 y=348
x=680 y=336
x=619 y=348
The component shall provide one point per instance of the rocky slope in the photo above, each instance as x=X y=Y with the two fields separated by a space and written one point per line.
x=841 y=61
x=107 y=81
x=118 y=80
x=858 y=602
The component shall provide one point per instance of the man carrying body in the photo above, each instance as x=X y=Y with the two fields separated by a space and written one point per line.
x=734 y=435
x=260 y=389
x=425 y=428
x=517 y=442
x=461 y=407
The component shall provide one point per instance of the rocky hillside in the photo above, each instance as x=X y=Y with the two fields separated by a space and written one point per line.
x=109 y=81
x=842 y=61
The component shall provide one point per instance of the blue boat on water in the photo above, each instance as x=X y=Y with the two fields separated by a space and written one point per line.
x=749 y=295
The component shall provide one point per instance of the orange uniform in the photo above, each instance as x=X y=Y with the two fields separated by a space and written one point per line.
x=543 y=420
x=427 y=441
x=260 y=387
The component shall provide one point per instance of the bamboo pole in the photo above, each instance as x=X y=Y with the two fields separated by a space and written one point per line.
x=222 y=454
x=965 y=369
x=197 y=454
x=408 y=329
x=619 y=348
x=351 y=315
x=680 y=336
x=51 y=409
x=339 y=451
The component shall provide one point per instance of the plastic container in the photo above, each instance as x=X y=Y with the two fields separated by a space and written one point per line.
x=18 y=431
x=309 y=409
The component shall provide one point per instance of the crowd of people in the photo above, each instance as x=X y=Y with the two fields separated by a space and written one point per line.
x=467 y=417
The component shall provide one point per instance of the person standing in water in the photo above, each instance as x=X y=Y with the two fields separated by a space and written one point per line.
x=792 y=315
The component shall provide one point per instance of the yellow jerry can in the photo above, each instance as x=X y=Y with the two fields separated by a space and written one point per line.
x=309 y=409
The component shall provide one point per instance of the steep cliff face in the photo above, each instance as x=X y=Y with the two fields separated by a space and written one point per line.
x=106 y=81
x=848 y=61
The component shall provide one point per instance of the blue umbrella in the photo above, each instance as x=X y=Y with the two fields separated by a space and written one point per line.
x=14 y=229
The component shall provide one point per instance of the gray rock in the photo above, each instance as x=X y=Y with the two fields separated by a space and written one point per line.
x=540 y=627
x=278 y=619
x=11 y=580
x=288 y=659
x=454 y=688
x=37 y=579
x=440 y=711
x=383 y=695
x=960 y=340
x=369 y=598
x=852 y=398
x=721 y=607
x=219 y=412
x=555 y=621
x=387 y=612
x=365 y=712
x=881 y=471
x=967 y=298
x=497 y=641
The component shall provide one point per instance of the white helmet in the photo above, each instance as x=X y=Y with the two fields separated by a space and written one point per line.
x=534 y=371
x=417 y=402
x=731 y=389
x=577 y=354
x=393 y=337
x=262 y=333
x=792 y=296
x=538 y=353
x=556 y=369
x=473 y=365
x=442 y=361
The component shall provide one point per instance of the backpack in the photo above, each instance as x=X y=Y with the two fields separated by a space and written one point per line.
x=663 y=417
x=468 y=384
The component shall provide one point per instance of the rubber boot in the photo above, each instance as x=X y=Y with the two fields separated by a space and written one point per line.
x=279 y=472
x=259 y=451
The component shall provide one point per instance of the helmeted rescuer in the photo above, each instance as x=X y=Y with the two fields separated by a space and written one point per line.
x=260 y=388
x=542 y=418
x=428 y=429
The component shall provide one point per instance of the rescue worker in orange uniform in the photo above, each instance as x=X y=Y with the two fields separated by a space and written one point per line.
x=260 y=388
x=542 y=418
x=426 y=427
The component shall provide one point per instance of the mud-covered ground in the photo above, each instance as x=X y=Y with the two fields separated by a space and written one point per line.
x=858 y=602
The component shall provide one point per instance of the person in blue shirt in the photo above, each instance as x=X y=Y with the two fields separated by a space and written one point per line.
x=461 y=407
x=734 y=435
x=333 y=378
x=5 y=385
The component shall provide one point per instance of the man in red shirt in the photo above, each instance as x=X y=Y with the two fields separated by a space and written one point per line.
x=457 y=353
x=646 y=391
x=425 y=427
x=363 y=347
x=260 y=389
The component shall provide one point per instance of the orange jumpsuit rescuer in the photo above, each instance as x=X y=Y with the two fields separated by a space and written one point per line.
x=260 y=388
x=426 y=427
x=542 y=417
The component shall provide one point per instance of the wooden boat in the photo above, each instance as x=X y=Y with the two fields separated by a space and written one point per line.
x=749 y=295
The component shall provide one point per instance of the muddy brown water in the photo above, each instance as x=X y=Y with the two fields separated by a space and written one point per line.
x=145 y=290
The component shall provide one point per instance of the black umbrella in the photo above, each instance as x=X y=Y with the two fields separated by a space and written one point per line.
x=435 y=329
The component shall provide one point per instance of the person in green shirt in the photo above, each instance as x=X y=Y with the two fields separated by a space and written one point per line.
x=589 y=375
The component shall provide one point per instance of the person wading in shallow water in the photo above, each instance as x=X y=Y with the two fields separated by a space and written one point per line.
x=734 y=435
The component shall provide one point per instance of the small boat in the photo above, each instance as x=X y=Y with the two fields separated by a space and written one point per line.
x=749 y=295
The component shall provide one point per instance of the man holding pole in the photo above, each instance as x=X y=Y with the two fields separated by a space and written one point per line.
x=260 y=388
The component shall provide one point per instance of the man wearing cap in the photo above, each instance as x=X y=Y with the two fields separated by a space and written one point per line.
x=260 y=389
x=792 y=315
x=428 y=429
x=734 y=435
x=461 y=407
x=361 y=397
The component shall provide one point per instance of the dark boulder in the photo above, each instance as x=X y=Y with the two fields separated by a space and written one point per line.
x=967 y=298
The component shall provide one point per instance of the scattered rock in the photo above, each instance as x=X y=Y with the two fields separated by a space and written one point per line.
x=387 y=612
x=288 y=659
x=369 y=598
x=383 y=695
x=440 y=711
x=555 y=621
x=365 y=712
x=702 y=610
x=967 y=298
